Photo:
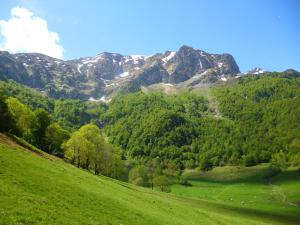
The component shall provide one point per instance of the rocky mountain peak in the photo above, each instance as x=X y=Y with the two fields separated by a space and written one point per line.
x=106 y=73
x=185 y=48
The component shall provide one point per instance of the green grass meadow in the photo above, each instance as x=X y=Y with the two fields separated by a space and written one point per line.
x=248 y=189
x=36 y=188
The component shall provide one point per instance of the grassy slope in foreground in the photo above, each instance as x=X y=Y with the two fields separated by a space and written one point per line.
x=40 y=189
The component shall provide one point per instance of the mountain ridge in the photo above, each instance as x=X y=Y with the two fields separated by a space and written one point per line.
x=106 y=73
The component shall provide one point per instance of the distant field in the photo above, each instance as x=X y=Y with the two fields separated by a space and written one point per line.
x=36 y=188
x=249 y=189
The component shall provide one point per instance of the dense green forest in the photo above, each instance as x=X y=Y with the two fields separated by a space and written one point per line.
x=149 y=138
x=260 y=118
x=266 y=113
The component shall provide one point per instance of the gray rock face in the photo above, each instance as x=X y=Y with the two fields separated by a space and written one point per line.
x=106 y=73
x=155 y=73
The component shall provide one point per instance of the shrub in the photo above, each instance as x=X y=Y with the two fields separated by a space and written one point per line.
x=162 y=183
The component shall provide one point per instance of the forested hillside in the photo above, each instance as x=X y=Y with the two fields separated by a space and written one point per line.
x=260 y=119
x=266 y=113
x=150 y=137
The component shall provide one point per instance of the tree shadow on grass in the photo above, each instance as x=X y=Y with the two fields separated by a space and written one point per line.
x=265 y=176
x=292 y=218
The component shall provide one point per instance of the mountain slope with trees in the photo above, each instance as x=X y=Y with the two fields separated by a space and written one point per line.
x=149 y=138
x=260 y=119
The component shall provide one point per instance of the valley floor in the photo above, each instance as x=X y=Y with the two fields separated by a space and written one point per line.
x=41 y=189
x=250 y=190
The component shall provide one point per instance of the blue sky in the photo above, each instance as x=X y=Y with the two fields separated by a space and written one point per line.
x=261 y=33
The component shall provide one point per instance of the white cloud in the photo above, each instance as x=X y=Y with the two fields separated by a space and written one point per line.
x=24 y=32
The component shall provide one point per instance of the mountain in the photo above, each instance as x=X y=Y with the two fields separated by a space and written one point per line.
x=256 y=71
x=103 y=75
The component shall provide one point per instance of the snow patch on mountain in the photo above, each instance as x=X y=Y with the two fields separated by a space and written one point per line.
x=137 y=58
x=256 y=71
x=78 y=68
x=223 y=79
x=125 y=74
x=169 y=57
x=102 y=99
x=200 y=64
x=86 y=61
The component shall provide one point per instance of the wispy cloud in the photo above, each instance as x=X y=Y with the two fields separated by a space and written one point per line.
x=25 y=32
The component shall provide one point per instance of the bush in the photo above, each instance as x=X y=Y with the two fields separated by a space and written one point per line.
x=249 y=160
x=279 y=161
x=162 y=183
x=138 y=175
x=184 y=182
x=205 y=164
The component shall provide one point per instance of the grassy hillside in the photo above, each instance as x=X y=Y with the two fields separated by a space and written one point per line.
x=36 y=188
x=249 y=189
